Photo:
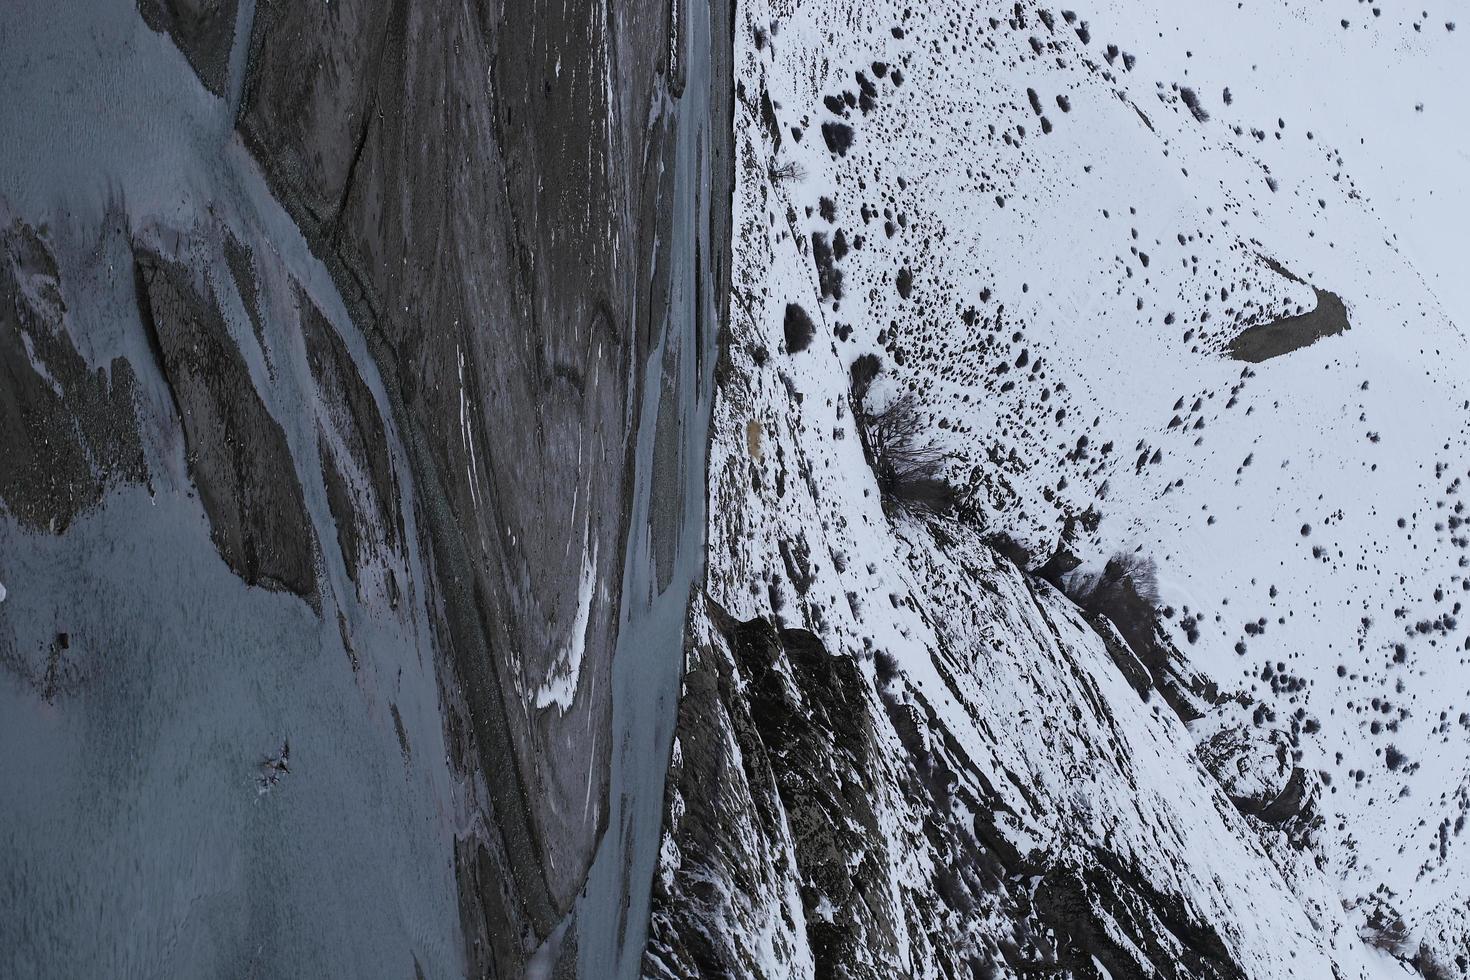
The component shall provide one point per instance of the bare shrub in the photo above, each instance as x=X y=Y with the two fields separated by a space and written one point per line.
x=886 y=666
x=1430 y=965
x=829 y=277
x=908 y=467
x=1126 y=591
x=1384 y=928
x=1394 y=758
x=799 y=328
x=863 y=372
x=1003 y=544
x=786 y=170
x=838 y=136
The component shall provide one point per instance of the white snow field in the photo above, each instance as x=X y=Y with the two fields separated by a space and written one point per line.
x=1054 y=226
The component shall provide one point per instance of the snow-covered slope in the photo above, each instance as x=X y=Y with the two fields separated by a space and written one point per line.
x=1174 y=282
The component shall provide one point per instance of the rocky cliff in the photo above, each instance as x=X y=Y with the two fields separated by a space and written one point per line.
x=327 y=328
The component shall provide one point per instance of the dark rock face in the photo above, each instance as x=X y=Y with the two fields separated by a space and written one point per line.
x=354 y=416
x=484 y=185
x=203 y=29
x=1161 y=937
x=813 y=728
x=1094 y=905
x=775 y=753
x=1254 y=766
x=66 y=433
x=778 y=820
x=773 y=791
x=237 y=452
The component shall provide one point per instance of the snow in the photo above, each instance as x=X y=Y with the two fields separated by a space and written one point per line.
x=565 y=673
x=467 y=434
x=1347 y=436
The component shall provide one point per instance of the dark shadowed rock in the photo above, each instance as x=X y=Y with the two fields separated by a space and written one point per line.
x=67 y=432
x=798 y=719
x=236 y=451
x=784 y=750
x=1254 y=766
x=204 y=31
x=1085 y=903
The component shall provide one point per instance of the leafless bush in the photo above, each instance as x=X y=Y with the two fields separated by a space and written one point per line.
x=908 y=467
x=863 y=372
x=1008 y=547
x=1192 y=102
x=787 y=170
x=1430 y=965
x=1384 y=928
x=1126 y=591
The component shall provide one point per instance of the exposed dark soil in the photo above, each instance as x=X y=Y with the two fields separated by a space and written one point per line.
x=1267 y=340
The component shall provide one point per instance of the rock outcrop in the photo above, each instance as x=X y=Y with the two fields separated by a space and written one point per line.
x=366 y=321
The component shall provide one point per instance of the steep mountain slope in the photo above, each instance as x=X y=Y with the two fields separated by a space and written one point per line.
x=329 y=332
x=1073 y=588
x=1135 y=297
